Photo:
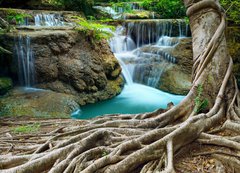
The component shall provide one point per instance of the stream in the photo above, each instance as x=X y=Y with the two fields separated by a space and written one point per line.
x=132 y=44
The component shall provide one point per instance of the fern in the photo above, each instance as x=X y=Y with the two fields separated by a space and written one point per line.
x=200 y=104
x=98 y=31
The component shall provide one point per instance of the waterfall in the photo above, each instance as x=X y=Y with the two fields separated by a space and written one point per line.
x=117 y=12
x=167 y=41
x=150 y=31
x=48 y=20
x=25 y=57
x=140 y=47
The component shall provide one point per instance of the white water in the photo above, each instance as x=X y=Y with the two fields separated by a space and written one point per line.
x=151 y=31
x=117 y=12
x=137 y=66
x=25 y=57
x=48 y=20
x=143 y=64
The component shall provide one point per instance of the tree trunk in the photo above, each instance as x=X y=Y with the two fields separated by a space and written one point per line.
x=148 y=142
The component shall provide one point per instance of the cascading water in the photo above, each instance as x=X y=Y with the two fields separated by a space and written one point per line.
x=150 y=31
x=133 y=43
x=118 y=12
x=141 y=64
x=23 y=49
x=48 y=20
x=25 y=57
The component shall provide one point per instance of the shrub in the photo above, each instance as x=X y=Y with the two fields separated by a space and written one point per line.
x=166 y=8
x=232 y=10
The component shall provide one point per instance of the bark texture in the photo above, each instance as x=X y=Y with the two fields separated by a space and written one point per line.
x=147 y=143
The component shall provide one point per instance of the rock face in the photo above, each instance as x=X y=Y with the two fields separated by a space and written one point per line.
x=175 y=81
x=28 y=16
x=37 y=103
x=67 y=61
x=176 y=74
x=141 y=15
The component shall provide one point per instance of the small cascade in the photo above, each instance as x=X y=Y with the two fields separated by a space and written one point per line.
x=48 y=20
x=128 y=6
x=150 y=31
x=126 y=74
x=120 y=43
x=140 y=46
x=166 y=41
x=25 y=57
x=117 y=12
x=149 y=74
x=109 y=10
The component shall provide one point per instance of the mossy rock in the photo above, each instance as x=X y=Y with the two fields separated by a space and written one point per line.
x=5 y=85
x=37 y=103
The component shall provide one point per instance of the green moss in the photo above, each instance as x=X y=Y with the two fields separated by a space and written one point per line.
x=116 y=72
x=116 y=85
x=5 y=85
x=26 y=128
x=16 y=16
x=19 y=111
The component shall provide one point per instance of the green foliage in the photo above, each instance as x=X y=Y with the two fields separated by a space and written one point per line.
x=123 y=6
x=166 y=8
x=105 y=153
x=96 y=30
x=232 y=10
x=27 y=128
x=200 y=104
x=79 y=5
x=17 y=17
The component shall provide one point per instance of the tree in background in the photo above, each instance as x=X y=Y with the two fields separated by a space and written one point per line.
x=166 y=8
x=232 y=9
x=79 y=5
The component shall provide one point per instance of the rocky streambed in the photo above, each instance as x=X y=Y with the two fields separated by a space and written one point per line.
x=73 y=70
x=66 y=63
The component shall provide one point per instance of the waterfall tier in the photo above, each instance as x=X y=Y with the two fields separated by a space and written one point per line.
x=48 y=20
x=25 y=57
x=143 y=46
x=150 y=31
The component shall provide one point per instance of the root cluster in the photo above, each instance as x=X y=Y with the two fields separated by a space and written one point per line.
x=145 y=143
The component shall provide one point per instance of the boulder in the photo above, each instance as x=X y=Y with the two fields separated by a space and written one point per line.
x=68 y=61
x=37 y=103
x=175 y=81
x=176 y=74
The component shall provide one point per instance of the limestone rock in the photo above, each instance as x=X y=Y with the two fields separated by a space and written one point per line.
x=66 y=61
x=176 y=76
x=175 y=81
